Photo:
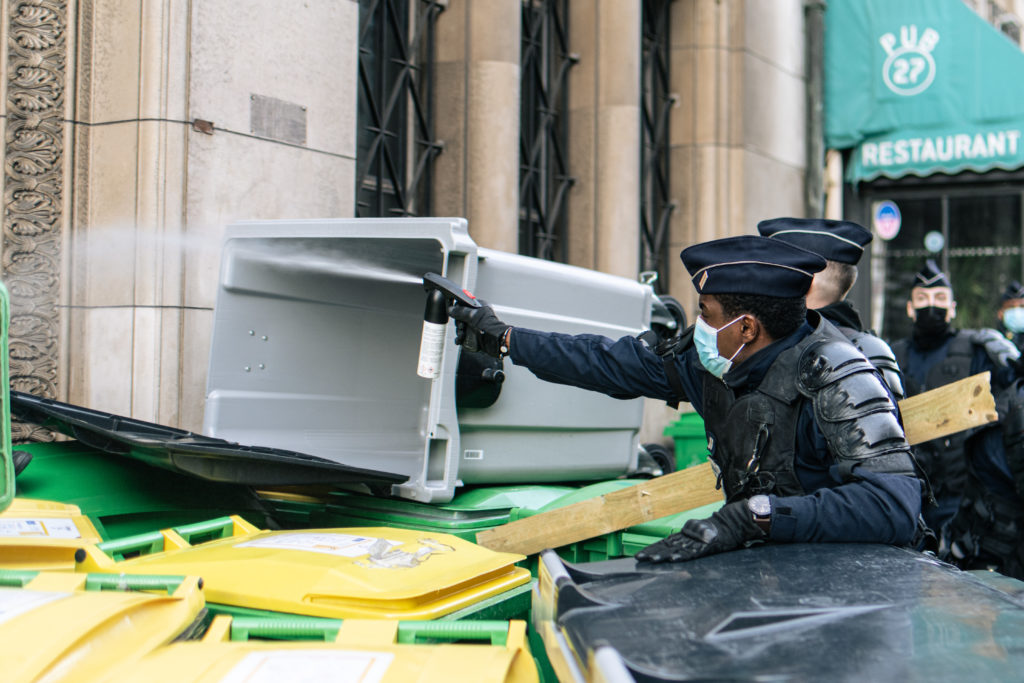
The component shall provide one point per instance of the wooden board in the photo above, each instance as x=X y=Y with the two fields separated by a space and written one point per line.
x=949 y=409
x=939 y=412
x=659 y=497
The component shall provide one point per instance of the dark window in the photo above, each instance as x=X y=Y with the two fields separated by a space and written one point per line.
x=976 y=232
x=395 y=143
x=656 y=205
x=544 y=179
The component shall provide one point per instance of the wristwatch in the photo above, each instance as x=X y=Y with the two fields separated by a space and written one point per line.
x=760 y=507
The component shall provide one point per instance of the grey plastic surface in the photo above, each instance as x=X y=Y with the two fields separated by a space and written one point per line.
x=316 y=337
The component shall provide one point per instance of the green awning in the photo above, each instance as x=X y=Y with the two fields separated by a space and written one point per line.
x=921 y=87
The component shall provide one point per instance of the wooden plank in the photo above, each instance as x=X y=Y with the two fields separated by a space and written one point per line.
x=653 y=499
x=949 y=409
x=952 y=408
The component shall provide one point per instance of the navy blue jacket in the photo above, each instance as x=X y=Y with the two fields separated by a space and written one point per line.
x=879 y=508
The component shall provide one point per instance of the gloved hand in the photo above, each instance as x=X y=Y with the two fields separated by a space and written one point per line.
x=1000 y=350
x=727 y=529
x=478 y=329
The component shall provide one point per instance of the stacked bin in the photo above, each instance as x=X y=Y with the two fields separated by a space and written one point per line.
x=691 y=441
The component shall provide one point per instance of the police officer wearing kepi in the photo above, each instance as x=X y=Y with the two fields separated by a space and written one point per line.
x=934 y=355
x=1011 y=313
x=801 y=428
x=841 y=244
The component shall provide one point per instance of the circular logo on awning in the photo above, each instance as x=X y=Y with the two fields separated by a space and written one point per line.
x=909 y=67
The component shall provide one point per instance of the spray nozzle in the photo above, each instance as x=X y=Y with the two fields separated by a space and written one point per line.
x=440 y=290
x=432 y=282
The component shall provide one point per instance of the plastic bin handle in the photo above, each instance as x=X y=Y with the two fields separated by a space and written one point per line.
x=133 y=582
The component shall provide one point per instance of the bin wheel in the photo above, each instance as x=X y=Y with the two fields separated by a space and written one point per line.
x=665 y=458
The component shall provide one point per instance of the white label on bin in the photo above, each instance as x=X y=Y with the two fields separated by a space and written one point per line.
x=345 y=545
x=310 y=665
x=469 y=454
x=42 y=528
x=17 y=601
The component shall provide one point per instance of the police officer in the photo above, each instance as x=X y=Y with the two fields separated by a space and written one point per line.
x=987 y=531
x=841 y=244
x=934 y=355
x=801 y=428
x=1011 y=313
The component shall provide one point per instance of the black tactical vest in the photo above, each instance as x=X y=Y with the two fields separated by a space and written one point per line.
x=753 y=437
x=943 y=459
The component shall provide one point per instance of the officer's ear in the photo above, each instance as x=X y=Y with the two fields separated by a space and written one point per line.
x=750 y=329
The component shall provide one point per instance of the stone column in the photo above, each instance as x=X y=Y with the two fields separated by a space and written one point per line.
x=737 y=137
x=35 y=193
x=477 y=117
x=604 y=136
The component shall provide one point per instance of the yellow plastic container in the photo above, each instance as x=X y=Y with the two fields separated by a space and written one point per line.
x=42 y=535
x=62 y=626
x=380 y=572
x=369 y=651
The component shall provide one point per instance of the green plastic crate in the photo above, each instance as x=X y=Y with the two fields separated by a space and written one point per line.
x=691 y=441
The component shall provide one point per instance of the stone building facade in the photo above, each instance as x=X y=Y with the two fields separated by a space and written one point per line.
x=136 y=130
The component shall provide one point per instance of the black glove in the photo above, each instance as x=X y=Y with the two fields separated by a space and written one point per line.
x=478 y=329
x=727 y=529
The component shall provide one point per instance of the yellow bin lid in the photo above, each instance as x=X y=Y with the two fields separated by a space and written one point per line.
x=365 y=650
x=62 y=626
x=374 y=572
x=43 y=535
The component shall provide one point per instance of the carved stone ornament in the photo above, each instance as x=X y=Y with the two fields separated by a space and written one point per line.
x=33 y=195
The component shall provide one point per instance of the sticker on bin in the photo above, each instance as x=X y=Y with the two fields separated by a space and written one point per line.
x=344 y=545
x=310 y=665
x=17 y=601
x=42 y=528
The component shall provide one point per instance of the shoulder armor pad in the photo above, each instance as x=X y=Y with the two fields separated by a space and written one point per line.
x=852 y=408
x=824 y=362
x=880 y=355
x=998 y=348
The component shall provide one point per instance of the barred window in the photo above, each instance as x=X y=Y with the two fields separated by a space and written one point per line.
x=544 y=179
x=395 y=139
x=656 y=205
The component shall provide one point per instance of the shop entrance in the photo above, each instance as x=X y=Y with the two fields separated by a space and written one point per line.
x=973 y=230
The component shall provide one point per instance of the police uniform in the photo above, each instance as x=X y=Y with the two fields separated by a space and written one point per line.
x=987 y=531
x=843 y=242
x=936 y=358
x=804 y=424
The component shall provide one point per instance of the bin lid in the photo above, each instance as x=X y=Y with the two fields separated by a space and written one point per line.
x=193 y=454
x=813 y=611
x=43 y=534
x=60 y=621
x=366 y=651
x=347 y=572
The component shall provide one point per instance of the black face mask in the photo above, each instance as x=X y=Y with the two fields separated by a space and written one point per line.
x=931 y=321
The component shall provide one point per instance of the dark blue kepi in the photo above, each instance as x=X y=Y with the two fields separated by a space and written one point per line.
x=931 y=276
x=751 y=265
x=841 y=241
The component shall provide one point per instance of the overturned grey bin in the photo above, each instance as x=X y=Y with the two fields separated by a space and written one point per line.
x=316 y=337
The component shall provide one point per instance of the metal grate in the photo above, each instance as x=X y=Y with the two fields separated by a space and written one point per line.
x=544 y=178
x=656 y=205
x=396 y=145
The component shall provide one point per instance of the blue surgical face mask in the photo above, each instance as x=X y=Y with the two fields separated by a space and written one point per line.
x=1013 y=318
x=706 y=339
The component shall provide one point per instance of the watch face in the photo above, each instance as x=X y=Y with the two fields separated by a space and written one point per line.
x=760 y=505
